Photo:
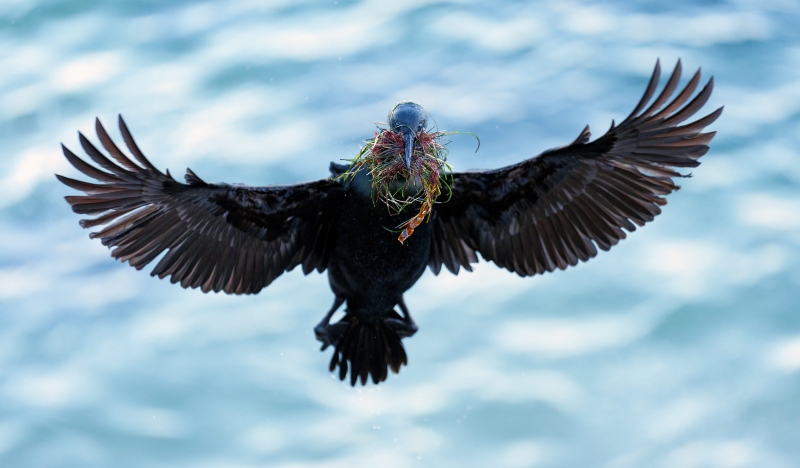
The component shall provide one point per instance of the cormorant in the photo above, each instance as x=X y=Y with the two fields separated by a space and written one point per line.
x=545 y=213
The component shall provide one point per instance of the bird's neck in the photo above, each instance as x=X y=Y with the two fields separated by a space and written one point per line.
x=361 y=184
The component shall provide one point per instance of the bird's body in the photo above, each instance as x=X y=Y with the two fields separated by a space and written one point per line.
x=364 y=246
x=548 y=212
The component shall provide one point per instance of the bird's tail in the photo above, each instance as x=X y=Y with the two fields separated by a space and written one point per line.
x=368 y=349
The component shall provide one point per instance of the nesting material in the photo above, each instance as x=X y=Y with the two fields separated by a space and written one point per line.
x=395 y=184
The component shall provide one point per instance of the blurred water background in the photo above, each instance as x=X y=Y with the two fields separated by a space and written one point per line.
x=679 y=348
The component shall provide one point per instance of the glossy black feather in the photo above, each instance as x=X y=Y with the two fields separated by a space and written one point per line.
x=204 y=228
x=548 y=211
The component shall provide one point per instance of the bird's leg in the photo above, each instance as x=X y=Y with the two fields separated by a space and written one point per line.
x=405 y=327
x=404 y=310
x=323 y=328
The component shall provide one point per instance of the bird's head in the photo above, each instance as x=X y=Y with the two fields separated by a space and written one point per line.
x=405 y=164
x=409 y=119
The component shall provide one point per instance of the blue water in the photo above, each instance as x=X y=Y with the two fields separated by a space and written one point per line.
x=678 y=348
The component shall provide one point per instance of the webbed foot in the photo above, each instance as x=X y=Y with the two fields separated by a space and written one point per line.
x=329 y=334
x=403 y=327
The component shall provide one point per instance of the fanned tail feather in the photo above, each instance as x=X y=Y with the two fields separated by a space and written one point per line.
x=368 y=349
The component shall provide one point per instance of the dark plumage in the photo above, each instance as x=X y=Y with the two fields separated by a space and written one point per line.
x=545 y=213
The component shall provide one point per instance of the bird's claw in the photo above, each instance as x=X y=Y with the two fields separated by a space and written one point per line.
x=329 y=335
x=403 y=327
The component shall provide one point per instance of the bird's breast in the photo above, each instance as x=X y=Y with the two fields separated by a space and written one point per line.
x=367 y=260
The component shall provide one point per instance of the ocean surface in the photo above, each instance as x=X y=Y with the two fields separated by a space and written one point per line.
x=678 y=348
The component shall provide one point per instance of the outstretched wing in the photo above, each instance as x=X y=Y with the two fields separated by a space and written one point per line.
x=218 y=237
x=556 y=209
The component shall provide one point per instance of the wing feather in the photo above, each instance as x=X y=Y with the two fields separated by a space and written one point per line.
x=216 y=237
x=557 y=209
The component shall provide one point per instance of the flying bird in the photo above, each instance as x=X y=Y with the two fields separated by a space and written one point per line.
x=377 y=223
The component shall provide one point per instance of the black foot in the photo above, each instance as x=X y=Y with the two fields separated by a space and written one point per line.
x=329 y=335
x=403 y=327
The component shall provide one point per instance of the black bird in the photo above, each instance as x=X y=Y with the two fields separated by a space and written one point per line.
x=545 y=213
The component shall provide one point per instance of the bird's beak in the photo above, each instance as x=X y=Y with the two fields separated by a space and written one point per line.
x=408 y=138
